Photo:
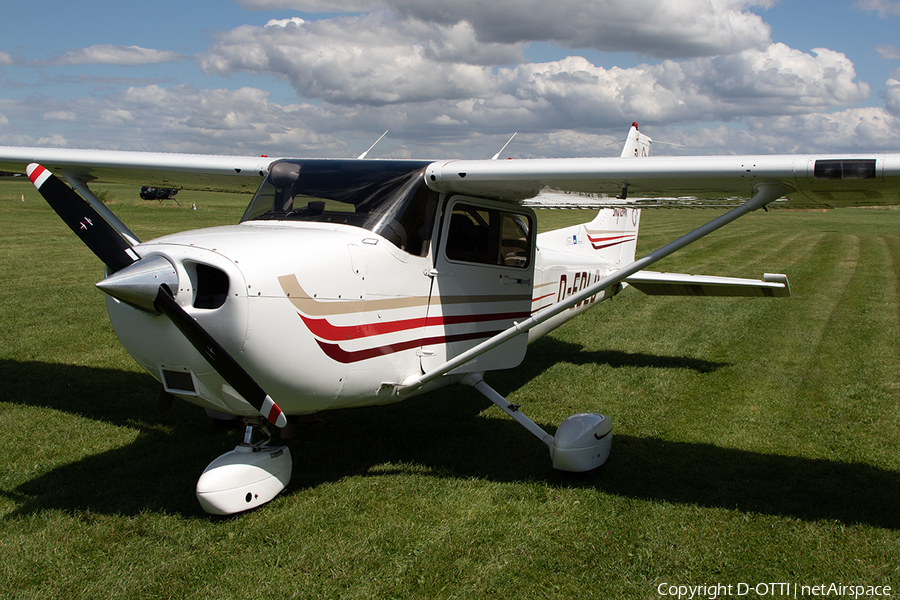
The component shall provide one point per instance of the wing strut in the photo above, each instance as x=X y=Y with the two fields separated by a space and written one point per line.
x=765 y=193
x=476 y=381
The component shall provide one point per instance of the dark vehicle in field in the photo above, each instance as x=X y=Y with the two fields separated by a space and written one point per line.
x=156 y=193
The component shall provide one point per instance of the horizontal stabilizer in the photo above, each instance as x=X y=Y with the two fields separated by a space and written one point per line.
x=677 y=284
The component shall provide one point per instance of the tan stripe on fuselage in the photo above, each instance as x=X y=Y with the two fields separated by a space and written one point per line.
x=313 y=307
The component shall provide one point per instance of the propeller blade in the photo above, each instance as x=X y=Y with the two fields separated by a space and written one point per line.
x=218 y=357
x=83 y=219
x=117 y=254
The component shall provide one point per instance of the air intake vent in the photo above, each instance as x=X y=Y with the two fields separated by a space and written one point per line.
x=178 y=381
x=212 y=287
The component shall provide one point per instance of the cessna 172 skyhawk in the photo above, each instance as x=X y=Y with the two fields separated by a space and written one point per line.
x=364 y=282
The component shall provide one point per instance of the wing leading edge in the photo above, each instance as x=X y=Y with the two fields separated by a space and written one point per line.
x=190 y=171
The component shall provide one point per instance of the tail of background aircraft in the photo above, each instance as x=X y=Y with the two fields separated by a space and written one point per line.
x=636 y=144
x=612 y=236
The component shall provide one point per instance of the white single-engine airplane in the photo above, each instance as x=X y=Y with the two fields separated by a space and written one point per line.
x=364 y=282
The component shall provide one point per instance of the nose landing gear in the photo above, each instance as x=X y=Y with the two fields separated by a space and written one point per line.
x=248 y=476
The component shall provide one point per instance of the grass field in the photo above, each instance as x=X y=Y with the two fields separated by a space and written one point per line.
x=755 y=440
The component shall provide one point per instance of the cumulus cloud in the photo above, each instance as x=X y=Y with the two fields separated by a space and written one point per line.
x=662 y=29
x=184 y=118
x=370 y=60
x=891 y=97
x=53 y=140
x=781 y=74
x=860 y=129
x=6 y=58
x=116 y=116
x=285 y=22
x=574 y=93
x=60 y=115
x=681 y=29
x=882 y=7
x=375 y=60
x=888 y=51
x=313 y=6
x=114 y=55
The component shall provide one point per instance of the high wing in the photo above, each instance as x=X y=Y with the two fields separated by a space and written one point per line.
x=190 y=171
x=809 y=181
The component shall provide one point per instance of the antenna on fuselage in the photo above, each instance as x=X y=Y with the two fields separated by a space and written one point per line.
x=363 y=155
x=496 y=156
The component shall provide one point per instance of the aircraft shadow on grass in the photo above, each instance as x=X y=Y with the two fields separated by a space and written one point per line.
x=441 y=431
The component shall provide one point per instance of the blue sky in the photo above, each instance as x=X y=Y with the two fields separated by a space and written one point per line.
x=716 y=76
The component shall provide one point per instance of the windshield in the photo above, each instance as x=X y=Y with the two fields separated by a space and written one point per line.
x=389 y=198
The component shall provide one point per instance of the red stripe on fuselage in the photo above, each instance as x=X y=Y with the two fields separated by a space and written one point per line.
x=335 y=333
x=335 y=352
x=599 y=243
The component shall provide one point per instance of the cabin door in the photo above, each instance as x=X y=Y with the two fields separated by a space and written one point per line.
x=482 y=283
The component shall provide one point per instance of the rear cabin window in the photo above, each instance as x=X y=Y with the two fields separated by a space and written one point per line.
x=489 y=236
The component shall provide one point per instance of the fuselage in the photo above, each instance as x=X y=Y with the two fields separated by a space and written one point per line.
x=330 y=311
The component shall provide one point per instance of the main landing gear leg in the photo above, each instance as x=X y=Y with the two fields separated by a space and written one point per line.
x=582 y=441
x=248 y=476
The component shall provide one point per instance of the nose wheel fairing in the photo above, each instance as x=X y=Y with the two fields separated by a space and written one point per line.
x=247 y=477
